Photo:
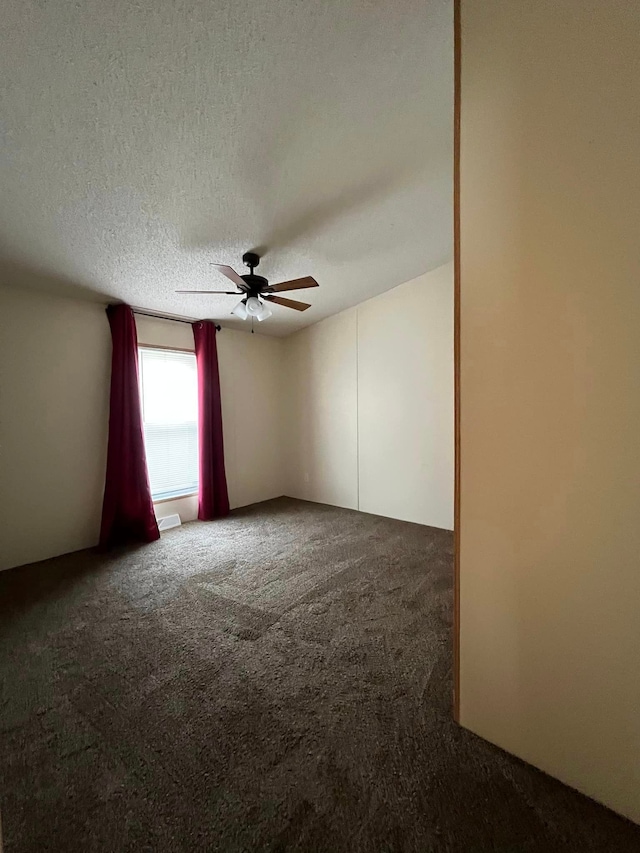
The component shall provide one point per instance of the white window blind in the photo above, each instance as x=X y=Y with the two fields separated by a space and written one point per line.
x=169 y=392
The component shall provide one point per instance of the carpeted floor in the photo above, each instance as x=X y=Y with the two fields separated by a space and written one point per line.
x=278 y=681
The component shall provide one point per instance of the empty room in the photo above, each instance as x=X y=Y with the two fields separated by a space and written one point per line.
x=318 y=426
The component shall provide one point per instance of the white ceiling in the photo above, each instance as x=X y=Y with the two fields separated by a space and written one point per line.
x=141 y=141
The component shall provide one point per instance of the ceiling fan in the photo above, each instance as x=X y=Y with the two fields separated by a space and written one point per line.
x=256 y=291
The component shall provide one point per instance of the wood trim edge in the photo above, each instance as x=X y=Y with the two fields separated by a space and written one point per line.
x=457 y=50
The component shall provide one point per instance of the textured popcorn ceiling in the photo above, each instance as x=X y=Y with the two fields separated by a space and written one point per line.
x=141 y=141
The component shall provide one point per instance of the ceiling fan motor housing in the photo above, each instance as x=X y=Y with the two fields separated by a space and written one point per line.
x=255 y=283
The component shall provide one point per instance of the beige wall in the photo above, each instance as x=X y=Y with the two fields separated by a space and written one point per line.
x=370 y=406
x=322 y=412
x=55 y=356
x=54 y=398
x=405 y=401
x=251 y=385
x=550 y=393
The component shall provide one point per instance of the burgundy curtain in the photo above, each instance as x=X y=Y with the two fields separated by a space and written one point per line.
x=127 y=510
x=213 y=500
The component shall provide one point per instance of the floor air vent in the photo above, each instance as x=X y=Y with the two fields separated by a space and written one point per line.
x=168 y=522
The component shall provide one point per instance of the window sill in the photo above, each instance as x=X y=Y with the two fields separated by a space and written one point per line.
x=176 y=498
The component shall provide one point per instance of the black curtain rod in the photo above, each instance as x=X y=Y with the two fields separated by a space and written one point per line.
x=159 y=316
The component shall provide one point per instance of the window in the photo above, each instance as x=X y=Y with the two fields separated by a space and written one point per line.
x=169 y=392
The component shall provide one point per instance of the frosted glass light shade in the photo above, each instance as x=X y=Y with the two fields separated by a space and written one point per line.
x=265 y=312
x=240 y=310
x=254 y=306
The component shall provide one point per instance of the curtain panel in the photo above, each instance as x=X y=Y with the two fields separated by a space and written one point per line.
x=127 y=510
x=213 y=499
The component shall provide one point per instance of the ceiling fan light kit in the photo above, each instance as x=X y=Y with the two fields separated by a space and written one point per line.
x=252 y=306
x=257 y=292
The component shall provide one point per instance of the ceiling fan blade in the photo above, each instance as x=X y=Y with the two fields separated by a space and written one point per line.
x=288 y=303
x=223 y=292
x=294 y=284
x=231 y=274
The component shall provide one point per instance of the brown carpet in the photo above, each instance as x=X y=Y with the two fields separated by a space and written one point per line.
x=278 y=681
